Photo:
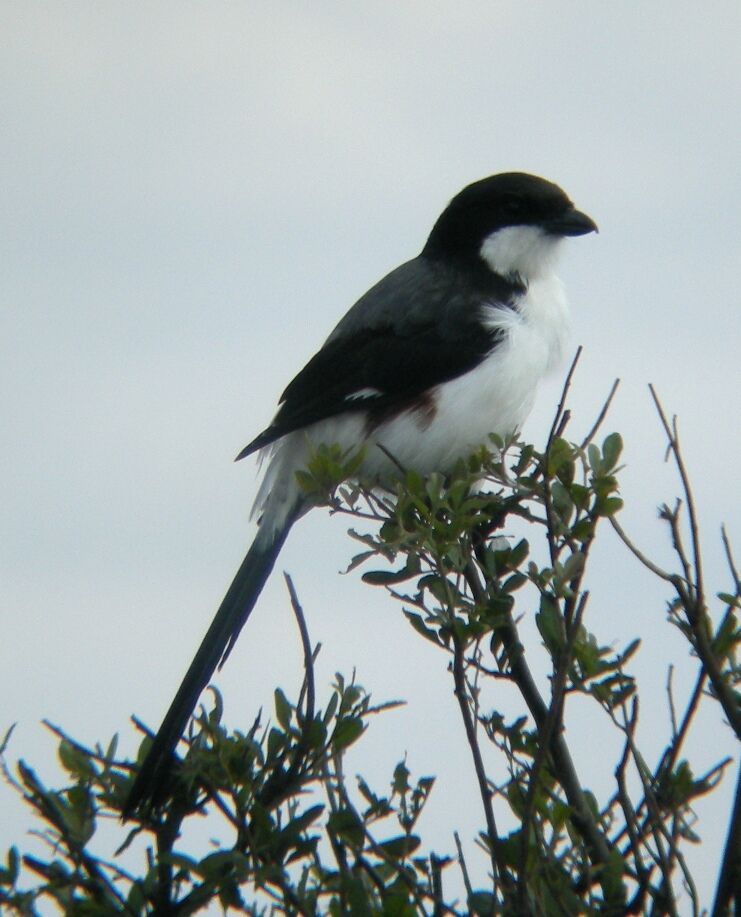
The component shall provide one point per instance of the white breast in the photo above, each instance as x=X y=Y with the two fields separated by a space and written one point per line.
x=496 y=397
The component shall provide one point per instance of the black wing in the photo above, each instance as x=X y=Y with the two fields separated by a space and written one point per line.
x=420 y=326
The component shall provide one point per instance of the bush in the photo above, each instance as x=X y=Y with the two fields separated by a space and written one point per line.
x=301 y=840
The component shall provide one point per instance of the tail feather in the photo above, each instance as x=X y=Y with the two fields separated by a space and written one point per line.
x=233 y=612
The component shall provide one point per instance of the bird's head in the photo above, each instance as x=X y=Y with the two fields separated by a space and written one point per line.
x=511 y=222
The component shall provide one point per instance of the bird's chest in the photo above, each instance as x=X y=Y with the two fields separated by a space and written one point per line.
x=493 y=397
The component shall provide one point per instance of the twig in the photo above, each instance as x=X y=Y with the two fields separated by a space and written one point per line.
x=436 y=883
x=672 y=436
x=636 y=552
x=392 y=458
x=669 y=758
x=558 y=425
x=563 y=764
x=601 y=416
x=551 y=726
x=629 y=813
x=690 y=594
x=686 y=586
x=731 y=563
x=670 y=698
x=308 y=655
x=498 y=863
x=462 y=864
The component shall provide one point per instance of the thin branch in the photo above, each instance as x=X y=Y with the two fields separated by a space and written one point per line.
x=557 y=427
x=392 y=458
x=670 y=699
x=637 y=553
x=629 y=813
x=308 y=655
x=462 y=864
x=498 y=863
x=669 y=758
x=673 y=437
x=552 y=725
x=558 y=424
x=601 y=416
x=563 y=765
x=731 y=563
x=692 y=602
x=436 y=885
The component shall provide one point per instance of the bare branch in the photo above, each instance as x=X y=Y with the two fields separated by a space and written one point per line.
x=499 y=864
x=647 y=563
x=670 y=697
x=462 y=864
x=558 y=424
x=731 y=563
x=601 y=416
x=669 y=758
x=306 y=645
x=673 y=437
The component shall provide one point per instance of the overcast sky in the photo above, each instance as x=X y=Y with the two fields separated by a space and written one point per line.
x=191 y=195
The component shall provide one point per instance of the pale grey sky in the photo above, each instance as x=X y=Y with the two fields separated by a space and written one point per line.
x=192 y=195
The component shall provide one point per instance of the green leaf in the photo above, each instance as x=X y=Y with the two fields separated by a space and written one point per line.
x=580 y=495
x=283 y=709
x=378 y=805
x=419 y=625
x=347 y=731
x=276 y=742
x=315 y=734
x=358 y=560
x=560 y=454
x=611 y=878
x=609 y=506
x=518 y=553
x=727 y=635
x=400 y=847
x=301 y=822
x=573 y=566
x=595 y=458
x=332 y=705
x=400 y=783
x=562 y=502
x=629 y=651
x=583 y=530
x=612 y=447
x=729 y=599
x=386 y=577
x=75 y=761
x=9 y=876
x=514 y=582
x=549 y=623
x=345 y=824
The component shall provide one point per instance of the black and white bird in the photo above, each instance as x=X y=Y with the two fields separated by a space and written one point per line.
x=446 y=349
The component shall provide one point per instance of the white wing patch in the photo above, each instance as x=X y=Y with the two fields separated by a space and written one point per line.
x=363 y=394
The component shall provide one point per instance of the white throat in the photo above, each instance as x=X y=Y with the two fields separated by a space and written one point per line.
x=525 y=251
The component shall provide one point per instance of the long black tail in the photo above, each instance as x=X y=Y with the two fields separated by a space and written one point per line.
x=234 y=610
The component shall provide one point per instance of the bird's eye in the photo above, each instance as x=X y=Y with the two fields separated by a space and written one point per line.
x=514 y=204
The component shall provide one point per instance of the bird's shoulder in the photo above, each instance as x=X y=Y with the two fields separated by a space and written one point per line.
x=424 y=292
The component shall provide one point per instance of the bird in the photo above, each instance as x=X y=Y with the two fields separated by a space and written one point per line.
x=445 y=350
